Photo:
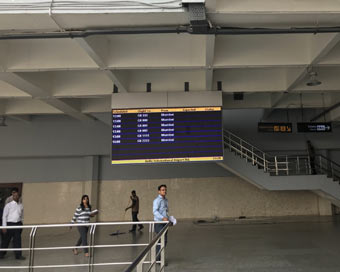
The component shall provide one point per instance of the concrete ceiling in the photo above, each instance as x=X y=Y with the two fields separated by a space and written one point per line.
x=75 y=76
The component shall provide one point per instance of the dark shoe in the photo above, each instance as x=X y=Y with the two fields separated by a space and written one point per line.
x=20 y=258
x=141 y=227
x=2 y=256
x=132 y=230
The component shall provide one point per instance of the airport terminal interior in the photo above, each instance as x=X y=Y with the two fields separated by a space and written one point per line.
x=233 y=104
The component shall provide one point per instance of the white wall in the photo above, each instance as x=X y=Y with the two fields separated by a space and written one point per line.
x=227 y=197
x=52 y=156
x=55 y=148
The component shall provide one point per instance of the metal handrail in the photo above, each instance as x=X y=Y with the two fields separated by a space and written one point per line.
x=151 y=247
x=244 y=151
x=281 y=164
x=243 y=141
x=327 y=166
x=91 y=246
x=325 y=158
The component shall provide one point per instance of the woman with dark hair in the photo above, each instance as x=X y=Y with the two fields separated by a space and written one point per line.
x=82 y=215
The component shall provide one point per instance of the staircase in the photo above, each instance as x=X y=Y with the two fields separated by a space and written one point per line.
x=318 y=174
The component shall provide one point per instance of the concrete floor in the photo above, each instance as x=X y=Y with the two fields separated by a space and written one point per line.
x=248 y=245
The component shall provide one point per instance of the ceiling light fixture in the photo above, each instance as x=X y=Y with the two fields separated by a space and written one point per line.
x=313 y=81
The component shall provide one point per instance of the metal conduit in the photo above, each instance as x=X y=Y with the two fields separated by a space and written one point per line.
x=167 y=30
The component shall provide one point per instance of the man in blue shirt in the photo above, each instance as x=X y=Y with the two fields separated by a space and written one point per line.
x=160 y=211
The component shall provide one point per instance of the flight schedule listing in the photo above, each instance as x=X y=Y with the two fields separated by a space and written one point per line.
x=166 y=135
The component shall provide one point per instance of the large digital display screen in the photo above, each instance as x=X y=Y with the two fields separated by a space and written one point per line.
x=157 y=135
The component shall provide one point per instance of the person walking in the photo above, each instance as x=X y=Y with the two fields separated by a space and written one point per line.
x=311 y=154
x=12 y=216
x=82 y=215
x=161 y=212
x=134 y=211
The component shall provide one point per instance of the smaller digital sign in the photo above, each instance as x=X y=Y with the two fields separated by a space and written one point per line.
x=314 y=127
x=275 y=127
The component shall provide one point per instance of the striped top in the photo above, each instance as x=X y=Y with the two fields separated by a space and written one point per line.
x=81 y=216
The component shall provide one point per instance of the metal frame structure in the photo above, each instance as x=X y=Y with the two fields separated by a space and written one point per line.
x=281 y=164
x=91 y=245
x=151 y=251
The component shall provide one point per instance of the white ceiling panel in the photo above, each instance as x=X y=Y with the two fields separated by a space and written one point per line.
x=166 y=80
x=8 y=91
x=29 y=107
x=80 y=84
x=153 y=51
x=46 y=54
x=261 y=50
x=27 y=22
x=75 y=76
x=252 y=80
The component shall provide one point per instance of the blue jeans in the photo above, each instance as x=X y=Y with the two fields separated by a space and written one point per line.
x=83 y=237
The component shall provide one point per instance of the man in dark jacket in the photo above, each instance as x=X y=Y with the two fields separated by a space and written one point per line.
x=311 y=154
x=134 y=211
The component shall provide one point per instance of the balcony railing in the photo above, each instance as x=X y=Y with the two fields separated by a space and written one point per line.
x=281 y=164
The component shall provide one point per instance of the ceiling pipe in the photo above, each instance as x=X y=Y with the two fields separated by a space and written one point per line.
x=292 y=30
x=88 y=33
x=167 y=30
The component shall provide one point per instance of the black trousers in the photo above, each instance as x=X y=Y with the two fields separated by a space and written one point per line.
x=83 y=237
x=158 y=228
x=135 y=219
x=14 y=234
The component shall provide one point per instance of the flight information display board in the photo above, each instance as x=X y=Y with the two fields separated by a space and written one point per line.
x=167 y=135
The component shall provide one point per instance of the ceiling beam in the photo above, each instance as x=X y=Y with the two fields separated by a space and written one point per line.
x=38 y=93
x=209 y=61
x=93 y=54
x=335 y=115
x=264 y=100
x=27 y=119
x=209 y=79
x=22 y=84
x=323 y=113
x=2 y=107
x=320 y=53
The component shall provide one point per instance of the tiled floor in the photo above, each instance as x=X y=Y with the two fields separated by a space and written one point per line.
x=257 y=246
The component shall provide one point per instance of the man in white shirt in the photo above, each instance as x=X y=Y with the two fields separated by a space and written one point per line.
x=12 y=216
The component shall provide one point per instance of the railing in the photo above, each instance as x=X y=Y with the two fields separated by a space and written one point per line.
x=32 y=249
x=281 y=164
x=151 y=251
x=325 y=166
